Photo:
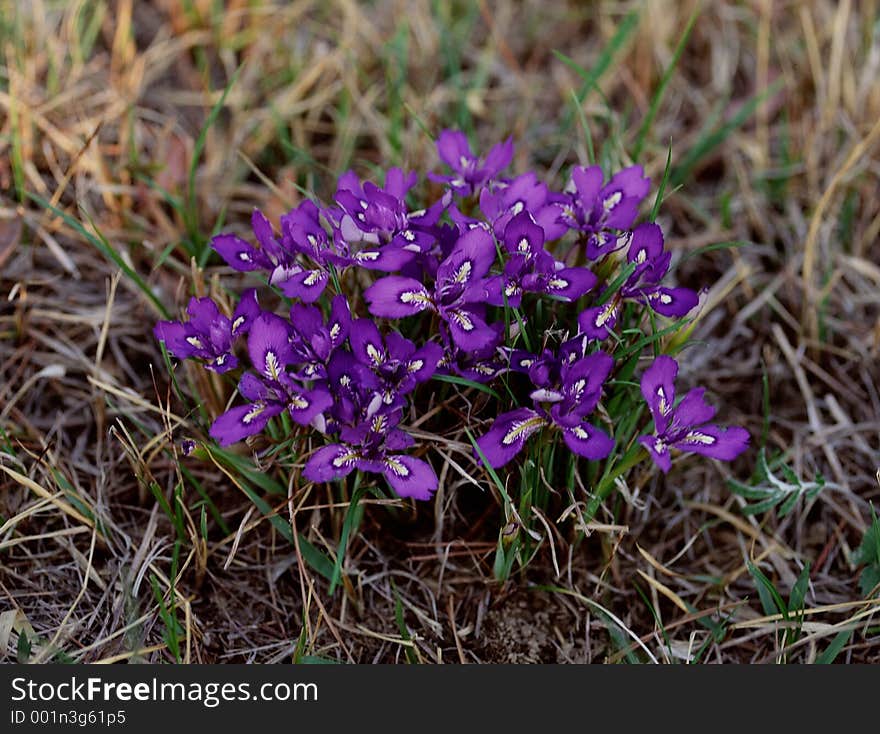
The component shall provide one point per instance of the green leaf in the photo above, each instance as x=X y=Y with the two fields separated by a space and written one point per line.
x=771 y=600
x=352 y=520
x=23 y=648
x=833 y=650
x=799 y=590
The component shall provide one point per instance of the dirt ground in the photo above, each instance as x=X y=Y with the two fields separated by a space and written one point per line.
x=101 y=110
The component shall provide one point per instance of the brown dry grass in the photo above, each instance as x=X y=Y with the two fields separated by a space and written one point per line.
x=84 y=401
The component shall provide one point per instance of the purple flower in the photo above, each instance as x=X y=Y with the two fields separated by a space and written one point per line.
x=395 y=360
x=470 y=172
x=273 y=389
x=458 y=295
x=525 y=193
x=312 y=342
x=565 y=406
x=380 y=219
x=602 y=212
x=370 y=448
x=281 y=259
x=208 y=335
x=684 y=426
x=530 y=268
x=642 y=286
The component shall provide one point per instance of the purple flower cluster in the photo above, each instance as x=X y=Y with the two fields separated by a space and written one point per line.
x=495 y=263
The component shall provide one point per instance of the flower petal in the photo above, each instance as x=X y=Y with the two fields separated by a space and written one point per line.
x=395 y=297
x=508 y=435
x=715 y=442
x=523 y=235
x=366 y=343
x=673 y=302
x=307 y=285
x=245 y=313
x=269 y=345
x=239 y=254
x=570 y=283
x=305 y=405
x=658 y=389
x=598 y=322
x=468 y=330
x=452 y=147
x=583 y=381
x=384 y=259
x=242 y=421
x=177 y=339
x=330 y=462
x=646 y=244
x=469 y=260
x=693 y=410
x=410 y=477
x=658 y=449
x=339 y=323
x=423 y=363
x=584 y=439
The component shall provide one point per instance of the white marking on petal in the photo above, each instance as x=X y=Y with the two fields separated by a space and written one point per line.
x=194 y=341
x=345 y=380
x=660 y=446
x=367 y=255
x=605 y=315
x=299 y=402
x=415 y=365
x=523 y=245
x=557 y=284
x=463 y=274
x=397 y=466
x=580 y=433
x=237 y=324
x=344 y=459
x=334 y=331
x=612 y=201
x=313 y=277
x=517 y=208
x=522 y=430
x=419 y=298
x=380 y=424
x=665 y=298
x=312 y=240
x=664 y=407
x=463 y=320
x=417 y=213
x=244 y=257
x=272 y=365
x=697 y=437
x=409 y=236
x=374 y=354
x=253 y=413
x=220 y=361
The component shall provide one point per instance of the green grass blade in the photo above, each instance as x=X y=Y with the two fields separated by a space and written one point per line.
x=661 y=88
x=100 y=243
x=594 y=74
x=712 y=138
